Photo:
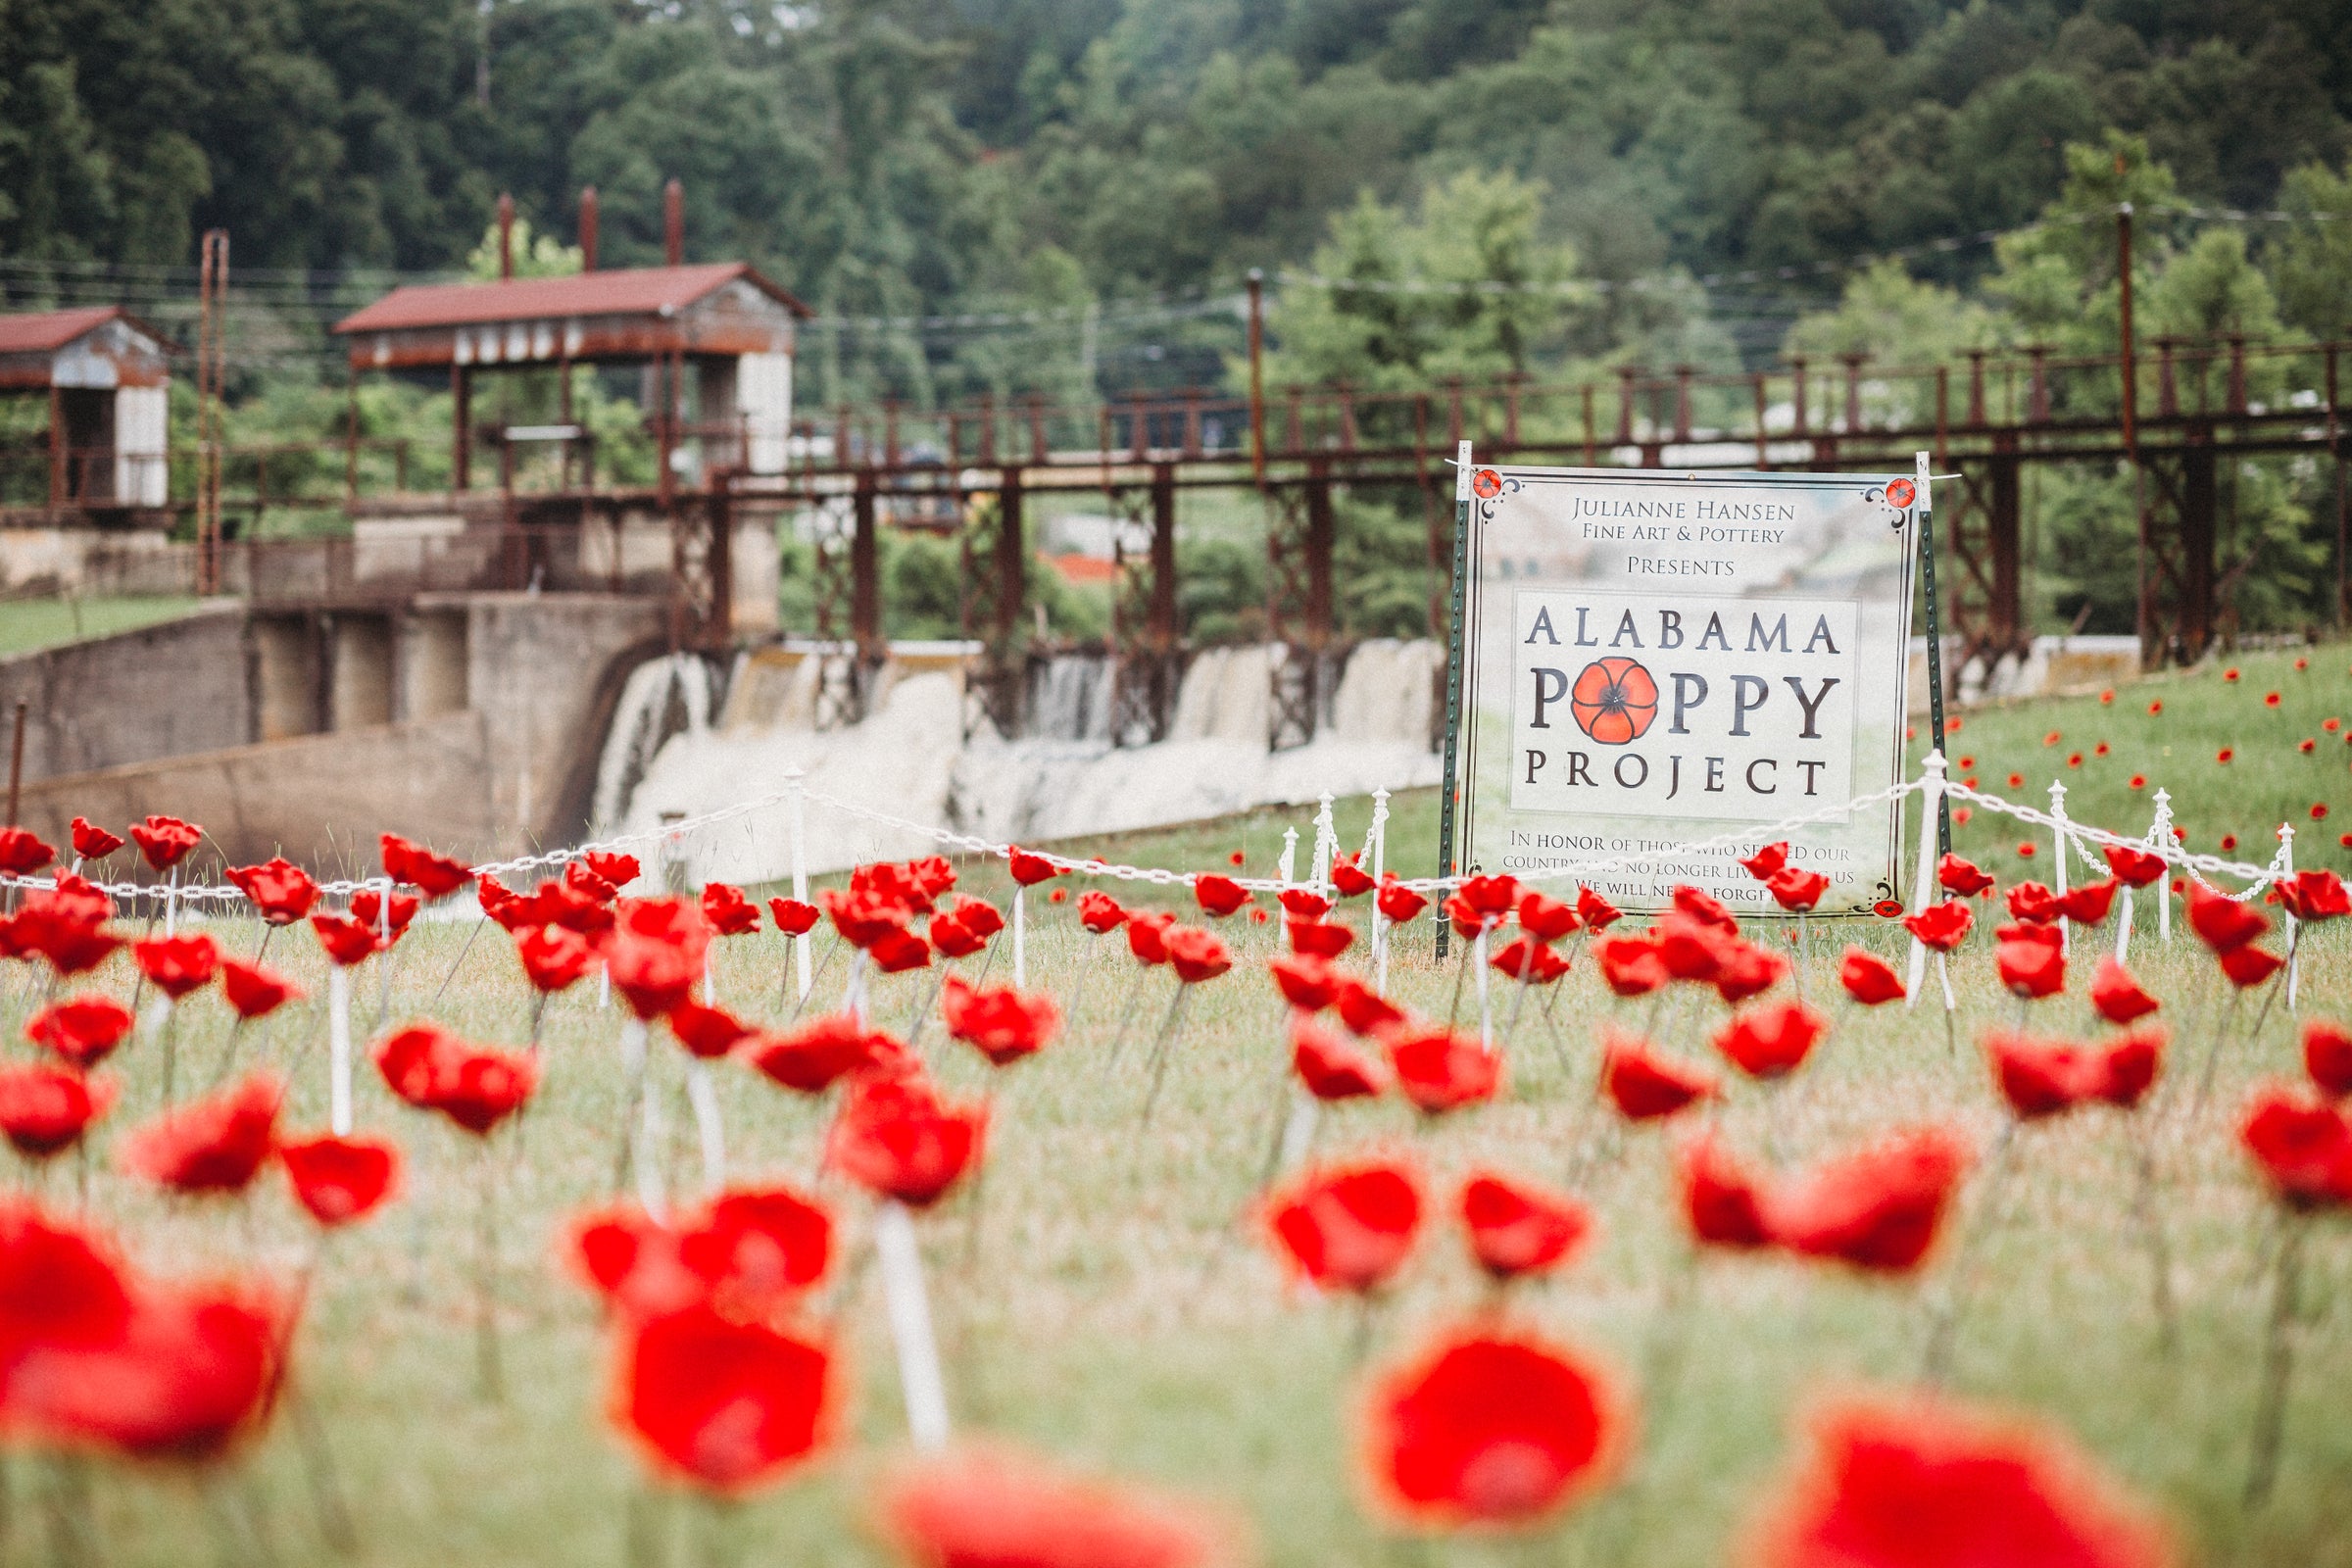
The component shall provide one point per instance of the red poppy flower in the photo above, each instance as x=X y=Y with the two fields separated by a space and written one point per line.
x=1877 y=1208
x=473 y=1086
x=992 y=1508
x=2319 y=810
x=1349 y=878
x=2090 y=904
x=864 y=915
x=1869 y=979
x=898 y=952
x=253 y=991
x=1489 y=1427
x=60 y=1286
x=341 y=1180
x=2117 y=995
x=2249 y=967
x=1528 y=959
x=2303 y=1147
x=1771 y=1041
x=1218 y=896
x=2033 y=903
x=1364 y=1010
x=1744 y=969
x=214 y=1145
x=2134 y=867
x=2327 y=1057
x=2044 y=936
x=178 y=965
x=165 y=840
x=2315 y=896
x=553 y=958
x=1724 y=1203
x=615 y=869
x=2042 y=1078
x=2270 y=698
x=998 y=1021
x=65 y=925
x=727 y=912
x=722 y=1404
x=1196 y=955
x=705 y=1031
x=1518 y=1228
x=1961 y=878
x=437 y=875
x=1546 y=919
x=22 y=851
x=84 y=1030
x=1481 y=902
x=931 y=875
x=953 y=939
x=1598 y=912
x=1332 y=1068
x=1646 y=1086
x=44 y=1109
x=1099 y=912
x=1690 y=950
x=1348 y=1227
x=367 y=907
x=1146 y=936
x=1398 y=903
x=1797 y=890
x=898 y=1139
x=757 y=1245
x=1630 y=965
x=1322 y=939
x=346 y=939
x=977 y=915
x=814 y=1056
x=793 y=917
x=656 y=953
x=1440 y=1070
x=1030 y=869
x=1904 y=1484
x=2224 y=754
x=1303 y=905
x=92 y=842
x=190 y=1371
x=2031 y=969
x=2228 y=841
x=2307 y=746
x=1306 y=982
x=2130 y=1064
x=1767 y=861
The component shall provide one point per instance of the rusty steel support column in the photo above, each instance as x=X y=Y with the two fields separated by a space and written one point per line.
x=56 y=447
x=1322 y=532
x=461 y=427
x=865 y=577
x=1012 y=557
x=1162 y=627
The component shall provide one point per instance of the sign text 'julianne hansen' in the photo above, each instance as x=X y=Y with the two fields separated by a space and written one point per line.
x=1653 y=660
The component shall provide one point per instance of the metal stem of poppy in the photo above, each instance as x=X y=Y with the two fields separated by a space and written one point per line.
x=1164 y=1047
x=808 y=986
x=338 y=1045
x=2294 y=935
x=909 y=1312
x=443 y=987
x=2277 y=1363
x=2213 y=1052
x=1118 y=1035
x=489 y=1372
x=1944 y=1333
x=1951 y=1032
x=2151 y=1222
x=260 y=948
x=321 y=1476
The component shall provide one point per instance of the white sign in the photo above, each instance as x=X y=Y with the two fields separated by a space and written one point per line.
x=1653 y=658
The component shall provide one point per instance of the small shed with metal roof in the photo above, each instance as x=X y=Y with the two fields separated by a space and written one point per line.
x=107 y=375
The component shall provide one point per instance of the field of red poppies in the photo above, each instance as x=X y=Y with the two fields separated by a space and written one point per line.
x=343 y=1230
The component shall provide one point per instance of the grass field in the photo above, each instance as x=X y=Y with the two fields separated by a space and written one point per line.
x=1114 y=1309
x=27 y=626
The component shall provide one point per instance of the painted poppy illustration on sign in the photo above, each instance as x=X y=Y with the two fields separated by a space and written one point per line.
x=1614 y=700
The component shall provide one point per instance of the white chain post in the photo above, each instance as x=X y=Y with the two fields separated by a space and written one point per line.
x=1380 y=856
x=2286 y=871
x=1930 y=798
x=1289 y=856
x=796 y=789
x=1327 y=844
x=2058 y=853
x=2160 y=834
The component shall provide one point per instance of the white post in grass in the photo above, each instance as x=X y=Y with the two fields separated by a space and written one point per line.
x=1288 y=864
x=909 y=1311
x=702 y=1092
x=1020 y=937
x=1380 y=856
x=1930 y=798
x=338 y=1050
x=2161 y=835
x=2286 y=871
x=1327 y=844
x=2058 y=848
x=795 y=782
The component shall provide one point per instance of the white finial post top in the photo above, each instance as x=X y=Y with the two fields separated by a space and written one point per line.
x=1934 y=762
x=2286 y=833
x=2057 y=795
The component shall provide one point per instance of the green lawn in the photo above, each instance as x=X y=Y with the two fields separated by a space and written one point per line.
x=1116 y=1312
x=27 y=626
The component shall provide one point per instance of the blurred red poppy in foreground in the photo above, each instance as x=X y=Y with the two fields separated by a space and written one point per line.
x=707 y=1031
x=390 y=918
x=722 y=1404
x=1306 y=982
x=1001 y=1024
x=1723 y=1201
x=2134 y=869
x=1646 y=1086
x=1488 y=1427
x=2314 y=896
x=214 y=1145
x=1440 y=1070
x=164 y=840
x=748 y=1250
x=1630 y=965
x=44 y=1109
x=84 y=1030
x=1099 y=912
x=1349 y=878
x=1518 y=1228
x=1196 y=955
x=1364 y=1010
x=1321 y=939
x=1331 y=1068
x=65 y=925
x=2221 y=922
x=473 y=1086
x=2302 y=1147
x=2090 y=904
x=347 y=939
x=1877 y=1208
x=1398 y=903
x=177 y=965
x=2327 y=1057
x=2042 y=1078
x=341 y=1180
x=2117 y=995
x=553 y=958
x=1931 y=1484
x=898 y=1139
x=1348 y=1227
x=280 y=890
x=1773 y=1041
x=1146 y=936
x=994 y=1509
x=814 y=1056
x=1869 y=979
x=2249 y=965
x=1962 y=878
x=1766 y=862
x=2031 y=969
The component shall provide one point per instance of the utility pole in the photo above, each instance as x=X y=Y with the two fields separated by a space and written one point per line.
x=2144 y=613
x=1258 y=383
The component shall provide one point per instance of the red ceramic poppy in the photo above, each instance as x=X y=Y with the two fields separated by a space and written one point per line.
x=253 y=991
x=66 y=925
x=44 y=1109
x=1724 y=1203
x=727 y=912
x=2302 y=1147
x=2040 y=936
x=2031 y=969
x=2117 y=995
x=2221 y=922
x=367 y=907
x=1546 y=919
x=615 y=869
x=346 y=939
x=1030 y=869
x=1962 y=878
x=435 y=875
x=1308 y=983
x=656 y=953
x=341 y=1180
x=1440 y=1070
x=1489 y=1427
x=705 y=1031
x=553 y=958
x=721 y=1405
x=1364 y=1010
x=60 y=1286
x=1196 y=955
x=1646 y=1086
x=1877 y=1208
x=793 y=917
x=2090 y=904
x=1218 y=896
x=1630 y=965
x=500 y=903
x=84 y=1030
x=2128 y=1065
x=1099 y=912
x=812 y=1058
x=1906 y=1482
x=898 y=952
x=580 y=880
x=1595 y=910
x=1528 y=959
x=2042 y=1078
x=978 y=915
x=2315 y=896
x=2033 y=903
x=1797 y=890
x=1322 y=939
x=1303 y=905
x=22 y=851
x=1398 y=903
x=2249 y=967
x=1001 y=1024
x=214 y=1145
x=994 y=1509
x=165 y=840
x=1518 y=1228
x=930 y=876
x=473 y=1086
x=92 y=842
x=953 y=939
x=1869 y=979
x=2134 y=869
x=756 y=1247
x=1146 y=936
x=1349 y=878
x=1332 y=1068
x=1745 y=969
x=1767 y=861
x=898 y=1139
x=1690 y=947
x=1773 y=1041
x=2327 y=1057
x=865 y=916
x=1348 y=1227
x=178 y=965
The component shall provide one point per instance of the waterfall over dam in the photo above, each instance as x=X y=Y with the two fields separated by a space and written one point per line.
x=668 y=755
